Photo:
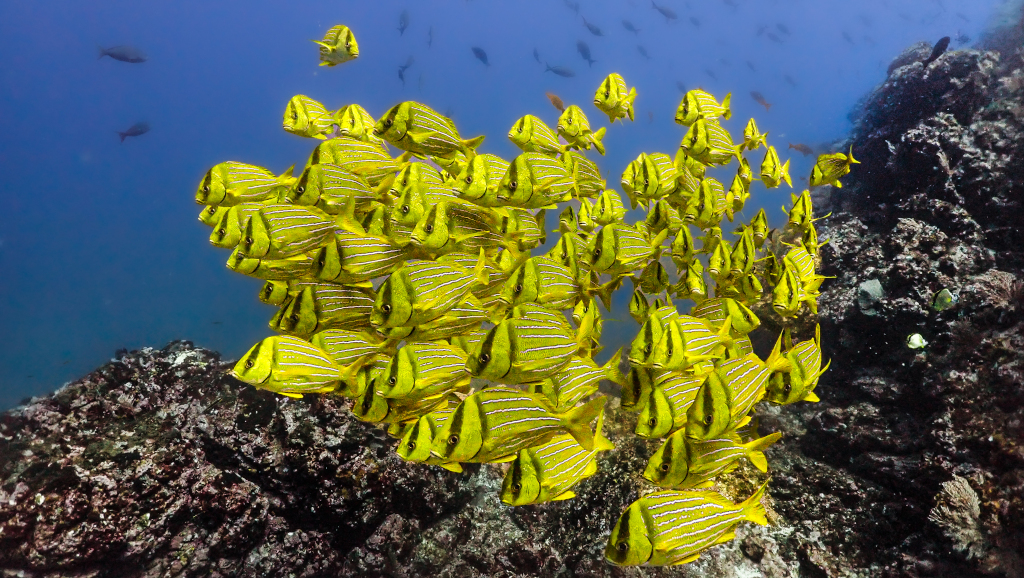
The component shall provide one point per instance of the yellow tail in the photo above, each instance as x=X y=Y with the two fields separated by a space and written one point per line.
x=753 y=510
x=577 y=421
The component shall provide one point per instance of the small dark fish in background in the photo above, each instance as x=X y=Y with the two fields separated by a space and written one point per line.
x=801 y=148
x=403 y=67
x=642 y=51
x=403 y=22
x=681 y=86
x=557 y=102
x=480 y=55
x=760 y=99
x=710 y=73
x=139 y=128
x=694 y=21
x=665 y=11
x=773 y=37
x=750 y=65
x=585 y=52
x=962 y=38
x=430 y=37
x=789 y=80
x=782 y=28
x=940 y=47
x=123 y=53
x=629 y=26
x=592 y=28
x=536 y=56
x=562 y=71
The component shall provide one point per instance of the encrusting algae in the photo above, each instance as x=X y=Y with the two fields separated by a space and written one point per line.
x=400 y=279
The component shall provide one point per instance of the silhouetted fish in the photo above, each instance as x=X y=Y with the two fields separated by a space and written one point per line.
x=642 y=51
x=750 y=65
x=629 y=26
x=593 y=29
x=136 y=129
x=773 y=37
x=403 y=21
x=480 y=55
x=536 y=56
x=430 y=37
x=665 y=11
x=802 y=148
x=560 y=71
x=789 y=79
x=557 y=102
x=124 y=53
x=760 y=99
x=710 y=73
x=694 y=21
x=940 y=47
x=681 y=86
x=585 y=52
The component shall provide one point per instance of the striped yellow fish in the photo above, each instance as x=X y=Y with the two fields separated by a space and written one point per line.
x=588 y=175
x=609 y=208
x=478 y=182
x=675 y=527
x=613 y=99
x=741 y=319
x=330 y=187
x=324 y=306
x=423 y=290
x=708 y=142
x=369 y=160
x=289 y=366
x=668 y=401
x=356 y=349
x=307 y=117
x=619 y=249
x=278 y=292
x=531 y=135
x=829 y=168
x=649 y=178
x=494 y=424
x=683 y=249
x=419 y=129
x=773 y=172
x=228 y=231
x=338 y=46
x=585 y=222
x=795 y=371
x=466 y=316
x=420 y=370
x=355 y=259
x=455 y=225
x=534 y=181
x=297 y=267
x=354 y=122
x=753 y=138
x=651 y=332
x=230 y=183
x=524 y=228
x=688 y=340
x=212 y=214
x=281 y=231
x=549 y=472
x=661 y=216
x=681 y=463
x=692 y=285
x=523 y=351
x=726 y=397
x=574 y=127
x=400 y=414
x=699 y=104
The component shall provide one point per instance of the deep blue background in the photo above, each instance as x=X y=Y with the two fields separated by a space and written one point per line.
x=99 y=243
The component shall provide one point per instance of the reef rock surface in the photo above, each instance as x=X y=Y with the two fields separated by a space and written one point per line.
x=158 y=464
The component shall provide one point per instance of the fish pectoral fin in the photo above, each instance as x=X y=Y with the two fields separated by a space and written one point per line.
x=811 y=397
x=289 y=394
x=452 y=467
x=564 y=496
x=504 y=460
x=686 y=560
x=421 y=137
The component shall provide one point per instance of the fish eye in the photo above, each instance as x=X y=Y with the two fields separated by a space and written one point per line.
x=221 y=232
x=322 y=261
x=708 y=420
x=211 y=210
x=249 y=364
x=412 y=445
x=606 y=94
x=622 y=547
x=300 y=189
x=484 y=358
x=664 y=467
x=295 y=116
x=385 y=308
x=788 y=388
x=206 y=189
x=512 y=185
x=405 y=209
x=348 y=45
x=388 y=123
x=469 y=179
x=597 y=252
x=248 y=240
x=454 y=439
x=516 y=487
x=392 y=380
x=429 y=228
x=518 y=288
x=652 y=422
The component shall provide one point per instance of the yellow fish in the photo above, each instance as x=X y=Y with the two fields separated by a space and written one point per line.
x=830 y=167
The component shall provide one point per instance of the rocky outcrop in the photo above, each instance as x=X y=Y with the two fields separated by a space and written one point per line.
x=911 y=465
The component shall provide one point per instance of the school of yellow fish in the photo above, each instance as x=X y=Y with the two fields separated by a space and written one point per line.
x=408 y=284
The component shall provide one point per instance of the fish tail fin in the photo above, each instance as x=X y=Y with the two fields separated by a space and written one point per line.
x=472 y=143
x=785 y=174
x=479 y=274
x=630 y=100
x=850 y=158
x=288 y=174
x=611 y=370
x=577 y=421
x=601 y=443
x=604 y=292
x=727 y=112
x=540 y=217
x=322 y=44
x=597 y=136
x=776 y=361
x=659 y=239
x=347 y=218
x=753 y=510
x=123 y=135
x=755 y=450
x=100 y=52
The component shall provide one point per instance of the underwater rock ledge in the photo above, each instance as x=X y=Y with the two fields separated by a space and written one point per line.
x=159 y=464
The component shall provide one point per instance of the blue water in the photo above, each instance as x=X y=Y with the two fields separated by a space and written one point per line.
x=99 y=243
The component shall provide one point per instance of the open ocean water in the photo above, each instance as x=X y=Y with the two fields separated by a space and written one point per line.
x=100 y=248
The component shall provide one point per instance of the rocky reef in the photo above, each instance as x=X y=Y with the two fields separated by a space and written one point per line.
x=912 y=464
